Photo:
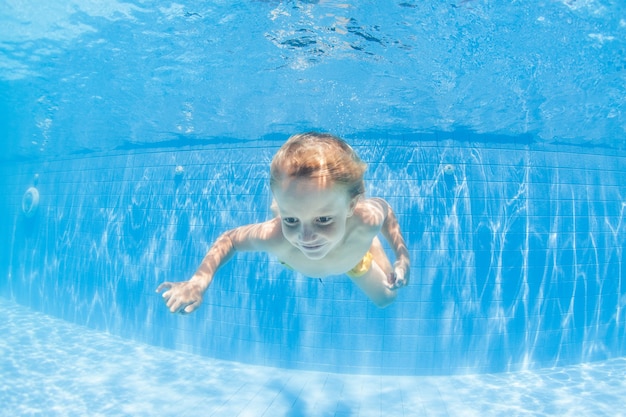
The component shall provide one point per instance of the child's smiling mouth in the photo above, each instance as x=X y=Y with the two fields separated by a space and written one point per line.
x=311 y=248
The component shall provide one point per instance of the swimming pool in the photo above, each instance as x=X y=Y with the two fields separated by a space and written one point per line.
x=58 y=368
x=495 y=131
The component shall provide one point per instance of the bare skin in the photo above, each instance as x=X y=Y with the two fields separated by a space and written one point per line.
x=318 y=231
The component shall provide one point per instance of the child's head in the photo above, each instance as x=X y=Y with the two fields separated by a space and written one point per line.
x=322 y=157
x=316 y=180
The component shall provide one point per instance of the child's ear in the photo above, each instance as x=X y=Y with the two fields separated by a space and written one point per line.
x=353 y=203
x=274 y=208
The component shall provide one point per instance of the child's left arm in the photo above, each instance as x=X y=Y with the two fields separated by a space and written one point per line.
x=391 y=231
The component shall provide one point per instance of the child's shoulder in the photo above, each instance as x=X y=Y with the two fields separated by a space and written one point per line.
x=373 y=203
x=257 y=236
x=371 y=211
x=377 y=202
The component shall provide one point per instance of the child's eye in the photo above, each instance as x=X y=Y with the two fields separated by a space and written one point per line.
x=324 y=220
x=290 y=221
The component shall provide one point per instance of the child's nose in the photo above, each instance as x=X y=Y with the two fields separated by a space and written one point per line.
x=307 y=234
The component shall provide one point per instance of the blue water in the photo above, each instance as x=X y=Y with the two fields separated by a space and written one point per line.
x=95 y=75
x=55 y=368
x=496 y=131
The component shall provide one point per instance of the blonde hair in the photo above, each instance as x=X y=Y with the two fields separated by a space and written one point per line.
x=320 y=156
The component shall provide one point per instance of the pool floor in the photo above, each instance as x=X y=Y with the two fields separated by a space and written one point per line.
x=50 y=367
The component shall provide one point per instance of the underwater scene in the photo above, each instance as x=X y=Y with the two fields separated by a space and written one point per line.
x=135 y=134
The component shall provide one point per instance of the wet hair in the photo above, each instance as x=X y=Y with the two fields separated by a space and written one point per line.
x=319 y=156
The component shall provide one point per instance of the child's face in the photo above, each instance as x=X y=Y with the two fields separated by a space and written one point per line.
x=313 y=214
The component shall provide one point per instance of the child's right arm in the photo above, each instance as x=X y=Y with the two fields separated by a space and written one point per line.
x=186 y=296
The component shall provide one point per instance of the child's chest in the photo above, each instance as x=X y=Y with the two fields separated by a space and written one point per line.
x=339 y=260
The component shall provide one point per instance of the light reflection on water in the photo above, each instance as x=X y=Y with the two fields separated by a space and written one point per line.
x=517 y=259
x=51 y=367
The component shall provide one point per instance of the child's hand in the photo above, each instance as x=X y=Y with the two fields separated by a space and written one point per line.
x=181 y=297
x=399 y=276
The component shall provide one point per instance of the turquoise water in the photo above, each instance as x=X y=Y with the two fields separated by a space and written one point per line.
x=517 y=257
x=496 y=131
x=60 y=369
x=90 y=75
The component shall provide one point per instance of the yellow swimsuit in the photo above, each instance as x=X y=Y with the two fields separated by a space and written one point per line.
x=359 y=270
x=362 y=267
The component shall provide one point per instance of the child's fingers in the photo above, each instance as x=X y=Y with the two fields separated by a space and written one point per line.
x=164 y=286
x=392 y=281
x=178 y=306
x=398 y=279
x=173 y=304
x=191 y=307
x=401 y=274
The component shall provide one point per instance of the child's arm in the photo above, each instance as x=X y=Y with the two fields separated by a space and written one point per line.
x=186 y=296
x=391 y=231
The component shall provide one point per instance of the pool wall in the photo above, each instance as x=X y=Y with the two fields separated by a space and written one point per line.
x=516 y=247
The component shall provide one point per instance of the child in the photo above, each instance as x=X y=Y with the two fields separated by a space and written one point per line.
x=323 y=226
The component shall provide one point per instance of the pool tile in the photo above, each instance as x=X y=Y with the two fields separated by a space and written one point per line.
x=53 y=368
